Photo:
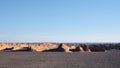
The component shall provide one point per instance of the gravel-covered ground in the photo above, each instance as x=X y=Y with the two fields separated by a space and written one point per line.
x=110 y=59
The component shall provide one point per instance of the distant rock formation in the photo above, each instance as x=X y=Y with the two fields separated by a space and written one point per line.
x=24 y=49
x=71 y=46
x=63 y=48
x=48 y=47
x=86 y=48
x=42 y=47
x=77 y=49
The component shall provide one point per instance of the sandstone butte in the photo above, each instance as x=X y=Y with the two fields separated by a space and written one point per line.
x=46 y=47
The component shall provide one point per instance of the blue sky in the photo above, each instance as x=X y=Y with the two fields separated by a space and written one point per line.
x=59 y=20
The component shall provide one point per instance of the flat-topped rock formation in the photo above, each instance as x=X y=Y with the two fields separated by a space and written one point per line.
x=48 y=47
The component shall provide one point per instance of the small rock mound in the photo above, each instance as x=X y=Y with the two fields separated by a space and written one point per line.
x=79 y=49
x=8 y=49
x=24 y=49
x=63 y=48
x=43 y=47
x=86 y=48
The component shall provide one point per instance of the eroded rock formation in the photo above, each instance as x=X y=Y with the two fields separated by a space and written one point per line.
x=86 y=48
x=48 y=47
x=63 y=48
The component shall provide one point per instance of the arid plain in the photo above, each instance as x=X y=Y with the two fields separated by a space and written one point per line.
x=109 y=59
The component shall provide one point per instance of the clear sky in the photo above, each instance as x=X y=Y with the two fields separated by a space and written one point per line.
x=59 y=20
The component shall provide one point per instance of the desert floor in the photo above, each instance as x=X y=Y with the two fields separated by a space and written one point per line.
x=110 y=59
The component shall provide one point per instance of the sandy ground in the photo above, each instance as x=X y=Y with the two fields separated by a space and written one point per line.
x=109 y=59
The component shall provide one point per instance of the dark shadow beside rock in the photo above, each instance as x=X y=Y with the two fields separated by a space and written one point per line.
x=8 y=49
x=23 y=49
x=97 y=49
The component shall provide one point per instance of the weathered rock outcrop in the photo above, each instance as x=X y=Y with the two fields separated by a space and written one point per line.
x=71 y=46
x=86 y=48
x=23 y=47
x=43 y=47
x=63 y=48
x=79 y=49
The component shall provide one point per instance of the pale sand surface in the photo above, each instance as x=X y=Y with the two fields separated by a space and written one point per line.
x=109 y=59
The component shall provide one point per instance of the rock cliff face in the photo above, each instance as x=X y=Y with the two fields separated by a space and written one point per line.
x=43 y=47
